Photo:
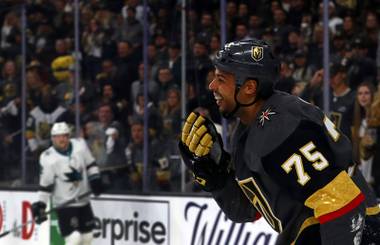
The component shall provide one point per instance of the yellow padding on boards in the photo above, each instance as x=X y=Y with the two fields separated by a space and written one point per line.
x=333 y=196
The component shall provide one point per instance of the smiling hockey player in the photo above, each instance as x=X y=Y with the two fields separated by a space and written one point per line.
x=288 y=161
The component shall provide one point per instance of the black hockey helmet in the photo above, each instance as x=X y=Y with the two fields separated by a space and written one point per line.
x=250 y=59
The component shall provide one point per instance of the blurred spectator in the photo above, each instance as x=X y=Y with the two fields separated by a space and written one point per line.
x=165 y=82
x=292 y=44
x=373 y=121
x=348 y=29
x=10 y=74
x=296 y=10
x=35 y=86
x=107 y=74
x=134 y=155
x=342 y=98
x=207 y=27
x=65 y=29
x=241 y=32
x=268 y=36
x=126 y=70
x=41 y=118
x=61 y=48
x=170 y=110
x=232 y=18
x=161 y=171
x=11 y=36
x=338 y=46
x=334 y=20
x=138 y=85
x=214 y=46
x=161 y=42
x=174 y=61
x=65 y=93
x=363 y=137
x=306 y=28
x=92 y=40
x=139 y=10
x=109 y=23
x=132 y=29
x=286 y=82
x=280 y=28
x=243 y=12
x=69 y=116
x=154 y=120
x=255 y=26
x=165 y=24
x=361 y=67
x=119 y=106
x=316 y=47
x=371 y=32
x=152 y=59
x=302 y=72
x=106 y=136
x=10 y=138
x=199 y=65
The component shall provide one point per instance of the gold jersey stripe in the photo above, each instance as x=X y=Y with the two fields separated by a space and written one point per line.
x=372 y=210
x=333 y=196
x=313 y=221
x=308 y=222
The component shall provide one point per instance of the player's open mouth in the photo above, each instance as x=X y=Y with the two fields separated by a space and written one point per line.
x=218 y=98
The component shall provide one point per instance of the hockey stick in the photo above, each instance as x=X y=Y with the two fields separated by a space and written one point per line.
x=63 y=205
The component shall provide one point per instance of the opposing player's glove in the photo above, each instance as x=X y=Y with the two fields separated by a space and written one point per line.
x=201 y=148
x=97 y=185
x=38 y=211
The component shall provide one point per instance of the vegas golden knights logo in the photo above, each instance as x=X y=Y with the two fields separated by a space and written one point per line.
x=257 y=53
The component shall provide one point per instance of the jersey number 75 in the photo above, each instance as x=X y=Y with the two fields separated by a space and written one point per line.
x=309 y=151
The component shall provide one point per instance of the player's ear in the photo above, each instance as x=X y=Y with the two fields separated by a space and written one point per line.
x=250 y=86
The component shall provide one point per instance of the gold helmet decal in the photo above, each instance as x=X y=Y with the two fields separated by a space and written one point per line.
x=257 y=53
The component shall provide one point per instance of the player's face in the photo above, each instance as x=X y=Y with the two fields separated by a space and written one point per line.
x=61 y=141
x=364 y=96
x=223 y=87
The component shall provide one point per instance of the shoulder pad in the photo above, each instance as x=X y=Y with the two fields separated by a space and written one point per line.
x=46 y=155
x=277 y=120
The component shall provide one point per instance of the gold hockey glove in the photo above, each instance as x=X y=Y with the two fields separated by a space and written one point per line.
x=201 y=148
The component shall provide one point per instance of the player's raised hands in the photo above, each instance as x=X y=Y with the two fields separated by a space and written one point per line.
x=201 y=148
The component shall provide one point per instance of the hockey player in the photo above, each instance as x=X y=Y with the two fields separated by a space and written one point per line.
x=68 y=170
x=288 y=162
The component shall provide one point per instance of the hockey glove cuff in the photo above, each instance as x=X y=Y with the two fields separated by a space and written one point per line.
x=38 y=211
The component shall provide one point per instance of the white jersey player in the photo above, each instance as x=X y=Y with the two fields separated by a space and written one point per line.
x=68 y=170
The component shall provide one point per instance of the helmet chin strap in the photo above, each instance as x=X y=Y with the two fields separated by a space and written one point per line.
x=229 y=115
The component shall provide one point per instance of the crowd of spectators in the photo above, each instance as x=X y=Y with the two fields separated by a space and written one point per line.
x=112 y=76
